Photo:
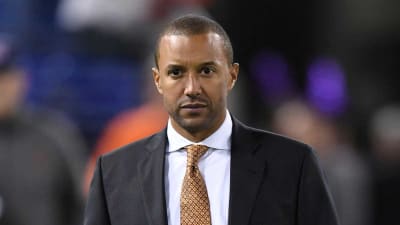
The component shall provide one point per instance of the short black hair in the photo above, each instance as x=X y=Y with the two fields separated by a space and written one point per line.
x=192 y=25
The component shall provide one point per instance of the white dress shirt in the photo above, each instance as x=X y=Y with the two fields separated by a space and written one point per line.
x=214 y=166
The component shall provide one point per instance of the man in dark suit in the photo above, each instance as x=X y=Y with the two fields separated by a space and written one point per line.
x=251 y=176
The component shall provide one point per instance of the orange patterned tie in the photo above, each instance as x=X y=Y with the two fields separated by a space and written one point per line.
x=195 y=207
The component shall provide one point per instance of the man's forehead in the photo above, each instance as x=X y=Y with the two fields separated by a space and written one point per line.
x=202 y=44
x=193 y=49
x=183 y=50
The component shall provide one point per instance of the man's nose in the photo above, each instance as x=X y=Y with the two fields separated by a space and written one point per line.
x=193 y=87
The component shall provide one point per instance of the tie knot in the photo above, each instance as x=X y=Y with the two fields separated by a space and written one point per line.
x=194 y=153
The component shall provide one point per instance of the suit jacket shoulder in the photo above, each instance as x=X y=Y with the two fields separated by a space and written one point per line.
x=273 y=145
x=280 y=179
x=135 y=151
x=128 y=185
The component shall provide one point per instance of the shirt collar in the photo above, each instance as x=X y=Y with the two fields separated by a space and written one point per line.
x=220 y=139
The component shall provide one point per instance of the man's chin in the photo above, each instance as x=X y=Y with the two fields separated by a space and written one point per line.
x=193 y=125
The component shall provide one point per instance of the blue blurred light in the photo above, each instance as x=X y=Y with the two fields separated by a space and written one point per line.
x=326 y=86
x=272 y=74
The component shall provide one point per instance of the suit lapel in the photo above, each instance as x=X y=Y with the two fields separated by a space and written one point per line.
x=247 y=171
x=151 y=174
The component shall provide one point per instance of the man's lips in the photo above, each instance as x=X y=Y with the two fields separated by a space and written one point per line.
x=194 y=105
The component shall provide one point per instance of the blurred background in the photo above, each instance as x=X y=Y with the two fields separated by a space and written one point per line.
x=75 y=82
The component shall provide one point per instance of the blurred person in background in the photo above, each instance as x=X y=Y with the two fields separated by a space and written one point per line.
x=346 y=172
x=385 y=143
x=40 y=156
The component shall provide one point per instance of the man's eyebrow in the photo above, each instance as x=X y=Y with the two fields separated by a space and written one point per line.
x=210 y=63
x=174 y=66
x=179 y=66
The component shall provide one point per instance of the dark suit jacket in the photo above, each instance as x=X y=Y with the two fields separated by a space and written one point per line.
x=274 y=181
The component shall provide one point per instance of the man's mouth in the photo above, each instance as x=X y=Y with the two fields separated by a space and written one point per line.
x=194 y=105
x=194 y=108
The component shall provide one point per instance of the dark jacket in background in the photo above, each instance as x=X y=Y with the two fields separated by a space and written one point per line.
x=40 y=170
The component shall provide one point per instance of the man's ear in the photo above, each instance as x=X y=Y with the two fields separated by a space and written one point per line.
x=156 y=77
x=234 y=73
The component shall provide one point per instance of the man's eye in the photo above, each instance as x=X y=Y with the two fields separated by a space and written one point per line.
x=207 y=70
x=174 y=72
